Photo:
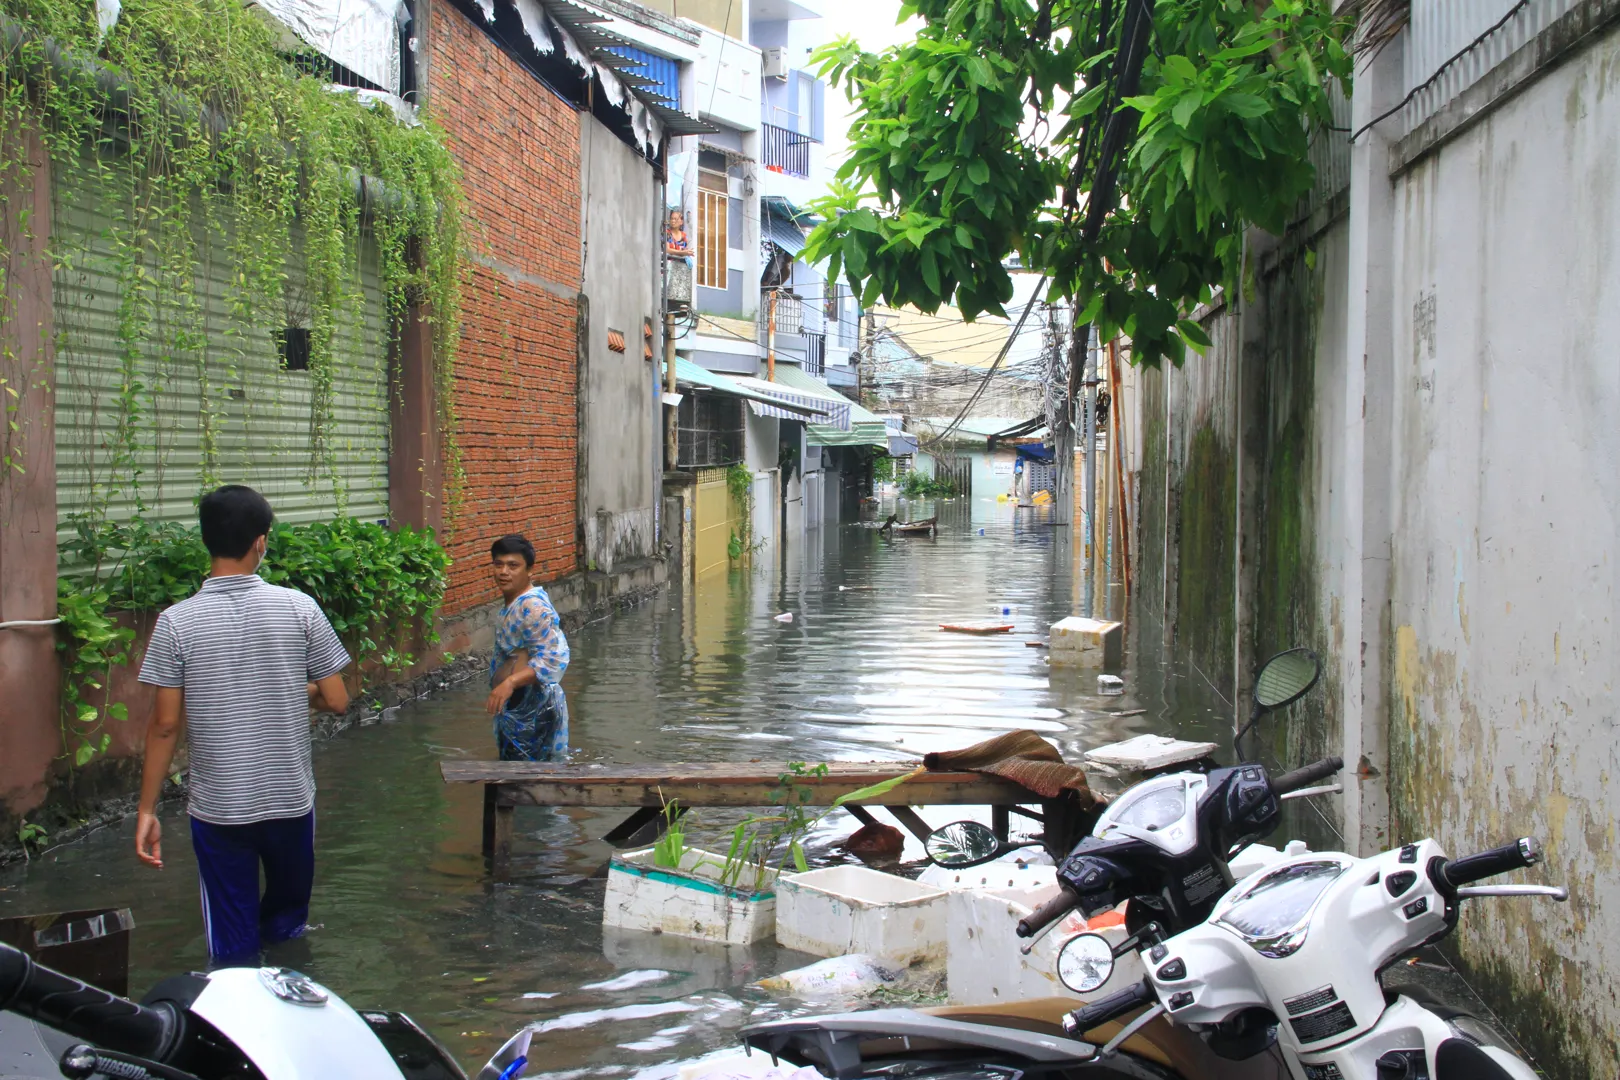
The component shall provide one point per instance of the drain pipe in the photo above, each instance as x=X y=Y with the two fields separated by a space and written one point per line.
x=17 y=624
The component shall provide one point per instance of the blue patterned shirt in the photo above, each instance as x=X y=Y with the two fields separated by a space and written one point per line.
x=529 y=624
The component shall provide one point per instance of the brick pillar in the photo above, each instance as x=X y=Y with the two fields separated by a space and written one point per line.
x=29 y=733
x=415 y=459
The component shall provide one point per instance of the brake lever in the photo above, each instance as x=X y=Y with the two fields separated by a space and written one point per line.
x=1113 y=1045
x=1320 y=789
x=1024 y=949
x=1554 y=892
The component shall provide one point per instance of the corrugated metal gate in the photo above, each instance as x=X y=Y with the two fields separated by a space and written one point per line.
x=261 y=412
x=958 y=470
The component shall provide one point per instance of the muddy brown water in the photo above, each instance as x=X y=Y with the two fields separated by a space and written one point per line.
x=406 y=916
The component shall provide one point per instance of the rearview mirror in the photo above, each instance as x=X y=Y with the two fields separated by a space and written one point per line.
x=1285 y=678
x=962 y=844
x=1085 y=963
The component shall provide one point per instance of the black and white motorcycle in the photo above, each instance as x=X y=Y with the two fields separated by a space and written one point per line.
x=1299 y=948
x=242 y=1023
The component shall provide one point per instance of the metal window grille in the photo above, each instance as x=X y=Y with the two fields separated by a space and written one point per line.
x=785 y=151
x=815 y=354
x=711 y=239
x=709 y=430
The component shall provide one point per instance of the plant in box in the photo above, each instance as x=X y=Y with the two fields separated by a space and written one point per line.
x=675 y=889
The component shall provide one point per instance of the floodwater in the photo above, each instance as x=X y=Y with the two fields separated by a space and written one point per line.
x=406 y=915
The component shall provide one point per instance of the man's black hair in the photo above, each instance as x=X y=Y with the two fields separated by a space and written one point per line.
x=513 y=544
x=232 y=517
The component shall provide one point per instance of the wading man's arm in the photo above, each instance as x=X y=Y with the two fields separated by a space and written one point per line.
x=162 y=735
x=329 y=694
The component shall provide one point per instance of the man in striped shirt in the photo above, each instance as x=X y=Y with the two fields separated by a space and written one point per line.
x=239 y=666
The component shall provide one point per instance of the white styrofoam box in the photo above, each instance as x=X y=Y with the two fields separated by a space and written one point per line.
x=853 y=909
x=983 y=961
x=689 y=902
x=1146 y=752
x=1081 y=642
x=1026 y=868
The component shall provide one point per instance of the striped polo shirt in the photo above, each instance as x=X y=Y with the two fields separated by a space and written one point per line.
x=244 y=652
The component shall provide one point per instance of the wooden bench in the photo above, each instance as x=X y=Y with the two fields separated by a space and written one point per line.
x=647 y=788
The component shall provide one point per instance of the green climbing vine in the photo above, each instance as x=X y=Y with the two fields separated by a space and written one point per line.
x=740 y=486
x=240 y=194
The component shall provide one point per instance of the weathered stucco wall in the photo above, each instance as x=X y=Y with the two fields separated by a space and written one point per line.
x=1506 y=446
x=1188 y=483
x=620 y=448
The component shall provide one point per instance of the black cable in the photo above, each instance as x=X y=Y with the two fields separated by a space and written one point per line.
x=1441 y=70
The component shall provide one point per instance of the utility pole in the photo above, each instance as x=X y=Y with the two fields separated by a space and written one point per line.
x=770 y=339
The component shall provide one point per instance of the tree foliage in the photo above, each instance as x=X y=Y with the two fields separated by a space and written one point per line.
x=983 y=138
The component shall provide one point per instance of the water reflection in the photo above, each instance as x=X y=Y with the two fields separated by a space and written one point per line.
x=407 y=917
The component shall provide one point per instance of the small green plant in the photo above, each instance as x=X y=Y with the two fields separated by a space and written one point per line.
x=32 y=837
x=671 y=846
x=91 y=643
x=882 y=469
x=758 y=840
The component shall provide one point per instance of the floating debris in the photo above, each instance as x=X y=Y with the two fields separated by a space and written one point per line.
x=786 y=616
x=839 y=976
x=977 y=628
x=1110 y=685
x=631 y=979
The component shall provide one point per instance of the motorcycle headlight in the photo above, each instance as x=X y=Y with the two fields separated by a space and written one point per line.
x=1274 y=914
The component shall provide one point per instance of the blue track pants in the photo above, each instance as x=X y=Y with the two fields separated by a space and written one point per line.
x=239 y=921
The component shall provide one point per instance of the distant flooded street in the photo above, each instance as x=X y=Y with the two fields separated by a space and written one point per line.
x=407 y=916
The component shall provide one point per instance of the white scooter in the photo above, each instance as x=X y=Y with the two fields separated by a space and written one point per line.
x=249 y=1023
x=1301 y=945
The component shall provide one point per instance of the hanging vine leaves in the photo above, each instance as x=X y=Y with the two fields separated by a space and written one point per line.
x=982 y=139
x=195 y=111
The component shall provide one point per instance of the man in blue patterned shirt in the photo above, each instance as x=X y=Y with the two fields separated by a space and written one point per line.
x=531 y=654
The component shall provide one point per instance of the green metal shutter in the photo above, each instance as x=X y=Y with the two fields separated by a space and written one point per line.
x=262 y=411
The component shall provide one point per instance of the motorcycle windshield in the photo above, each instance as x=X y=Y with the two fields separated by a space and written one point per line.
x=1281 y=902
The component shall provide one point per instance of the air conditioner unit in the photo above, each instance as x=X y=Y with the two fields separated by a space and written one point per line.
x=774 y=63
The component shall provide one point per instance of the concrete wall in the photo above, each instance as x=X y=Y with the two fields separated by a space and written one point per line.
x=1402 y=452
x=1506 y=246
x=620 y=443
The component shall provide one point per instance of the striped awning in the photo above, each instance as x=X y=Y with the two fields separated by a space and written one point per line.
x=693 y=374
x=833 y=406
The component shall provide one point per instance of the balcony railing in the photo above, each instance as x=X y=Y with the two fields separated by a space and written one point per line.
x=786 y=151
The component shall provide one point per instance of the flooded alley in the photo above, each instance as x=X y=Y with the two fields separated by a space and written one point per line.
x=407 y=916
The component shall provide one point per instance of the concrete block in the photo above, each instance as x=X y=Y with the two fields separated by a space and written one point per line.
x=1081 y=642
x=1148 y=752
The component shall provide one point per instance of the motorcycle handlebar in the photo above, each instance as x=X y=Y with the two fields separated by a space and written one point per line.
x=1518 y=855
x=1051 y=911
x=1306 y=775
x=64 y=1003
x=1109 y=1008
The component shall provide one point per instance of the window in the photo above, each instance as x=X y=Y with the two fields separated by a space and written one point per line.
x=292 y=345
x=833 y=300
x=709 y=430
x=713 y=210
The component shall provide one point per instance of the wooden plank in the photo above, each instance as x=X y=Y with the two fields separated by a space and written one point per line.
x=943 y=790
x=467 y=771
x=914 y=824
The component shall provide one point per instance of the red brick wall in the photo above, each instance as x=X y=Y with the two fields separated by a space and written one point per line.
x=518 y=145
